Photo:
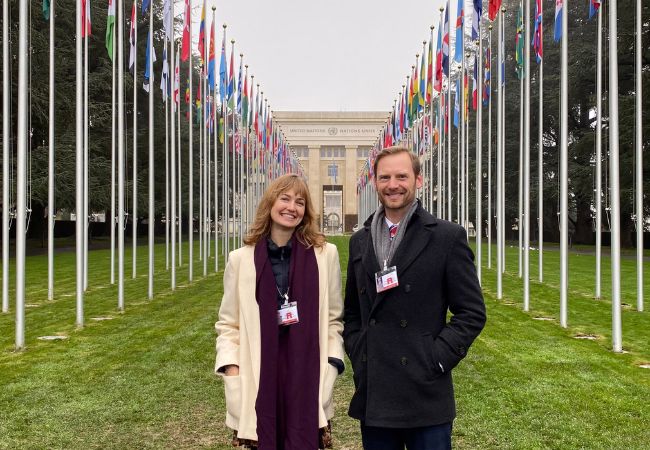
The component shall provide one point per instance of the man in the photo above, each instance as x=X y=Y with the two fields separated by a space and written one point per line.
x=406 y=270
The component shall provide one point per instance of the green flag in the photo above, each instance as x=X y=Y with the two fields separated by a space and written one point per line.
x=46 y=9
x=110 y=28
x=519 y=44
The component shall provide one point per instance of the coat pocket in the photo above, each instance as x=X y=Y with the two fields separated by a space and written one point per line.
x=331 y=373
x=232 y=386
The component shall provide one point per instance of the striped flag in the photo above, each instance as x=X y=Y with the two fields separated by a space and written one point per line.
x=223 y=70
x=164 y=79
x=475 y=84
x=132 y=38
x=202 y=34
x=487 y=77
x=110 y=28
x=594 y=5
x=476 y=19
x=211 y=60
x=430 y=70
x=177 y=82
x=460 y=21
x=151 y=52
x=538 y=33
x=86 y=26
x=557 y=35
x=437 y=85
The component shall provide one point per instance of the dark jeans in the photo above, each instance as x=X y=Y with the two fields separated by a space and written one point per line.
x=436 y=437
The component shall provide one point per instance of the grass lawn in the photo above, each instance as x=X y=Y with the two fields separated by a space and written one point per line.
x=144 y=378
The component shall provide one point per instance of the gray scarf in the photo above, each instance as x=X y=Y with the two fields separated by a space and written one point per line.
x=384 y=248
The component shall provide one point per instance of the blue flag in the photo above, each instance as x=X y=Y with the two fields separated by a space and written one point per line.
x=460 y=19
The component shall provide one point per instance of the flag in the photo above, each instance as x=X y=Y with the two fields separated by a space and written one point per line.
x=493 y=8
x=557 y=35
x=538 y=32
x=476 y=19
x=145 y=6
x=422 y=90
x=46 y=9
x=244 y=105
x=457 y=104
x=593 y=7
x=487 y=75
x=132 y=38
x=460 y=20
x=110 y=27
x=430 y=70
x=167 y=19
x=415 y=95
x=445 y=43
x=223 y=69
x=177 y=82
x=503 y=60
x=475 y=84
x=437 y=85
x=202 y=34
x=185 y=46
x=147 y=73
x=164 y=78
x=86 y=28
x=250 y=104
x=211 y=61
x=519 y=43
x=231 y=79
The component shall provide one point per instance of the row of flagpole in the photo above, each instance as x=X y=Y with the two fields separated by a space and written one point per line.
x=410 y=120
x=258 y=150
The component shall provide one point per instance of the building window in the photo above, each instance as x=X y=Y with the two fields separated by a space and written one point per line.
x=363 y=152
x=301 y=151
x=332 y=151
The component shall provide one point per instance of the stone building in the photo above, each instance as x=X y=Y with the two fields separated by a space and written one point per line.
x=332 y=148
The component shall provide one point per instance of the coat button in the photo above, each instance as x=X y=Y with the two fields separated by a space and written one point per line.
x=404 y=361
x=407 y=288
x=363 y=290
x=373 y=322
x=462 y=351
x=364 y=358
x=403 y=323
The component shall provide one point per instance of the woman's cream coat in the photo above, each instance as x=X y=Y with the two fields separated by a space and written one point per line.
x=239 y=341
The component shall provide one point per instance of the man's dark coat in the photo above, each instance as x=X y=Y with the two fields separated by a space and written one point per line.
x=401 y=346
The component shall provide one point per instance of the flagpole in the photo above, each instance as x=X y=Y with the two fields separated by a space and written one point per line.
x=134 y=218
x=172 y=160
x=85 y=155
x=617 y=343
x=22 y=166
x=204 y=151
x=527 y=159
x=640 y=222
x=479 y=154
x=226 y=162
x=449 y=119
x=599 y=155
x=190 y=170
x=50 y=177
x=503 y=151
x=152 y=217
x=489 y=161
x=216 y=159
x=540 y=170
x=120 y=156
x=520 y=189
x=564 y=181
x=242 y=204
x=5 y=155
x=113 y=136
x=179 y=186
x=499 y=223
x=234 y=156
x=167 y=174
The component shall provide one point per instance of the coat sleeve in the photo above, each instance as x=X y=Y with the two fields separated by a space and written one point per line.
x=465 y=304
x=227 y=326
x=335 y=329
x=352 y=316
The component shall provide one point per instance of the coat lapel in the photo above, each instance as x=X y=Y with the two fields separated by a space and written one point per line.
x=249 y=277
x=369 y=257
x=418 y=234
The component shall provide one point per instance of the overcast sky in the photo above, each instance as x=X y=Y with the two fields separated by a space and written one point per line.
x=336 y=55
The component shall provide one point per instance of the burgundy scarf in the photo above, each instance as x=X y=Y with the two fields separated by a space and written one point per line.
x=287 y=400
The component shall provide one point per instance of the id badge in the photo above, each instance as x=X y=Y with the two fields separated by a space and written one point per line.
x=288 y=313
x=386 y=279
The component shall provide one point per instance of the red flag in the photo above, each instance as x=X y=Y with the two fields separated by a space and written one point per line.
x=185 y=50
x=493 y=8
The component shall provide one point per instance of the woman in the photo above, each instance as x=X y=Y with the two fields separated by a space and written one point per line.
x=279 y=344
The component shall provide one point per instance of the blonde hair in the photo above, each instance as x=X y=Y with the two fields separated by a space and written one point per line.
x=306 y=232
